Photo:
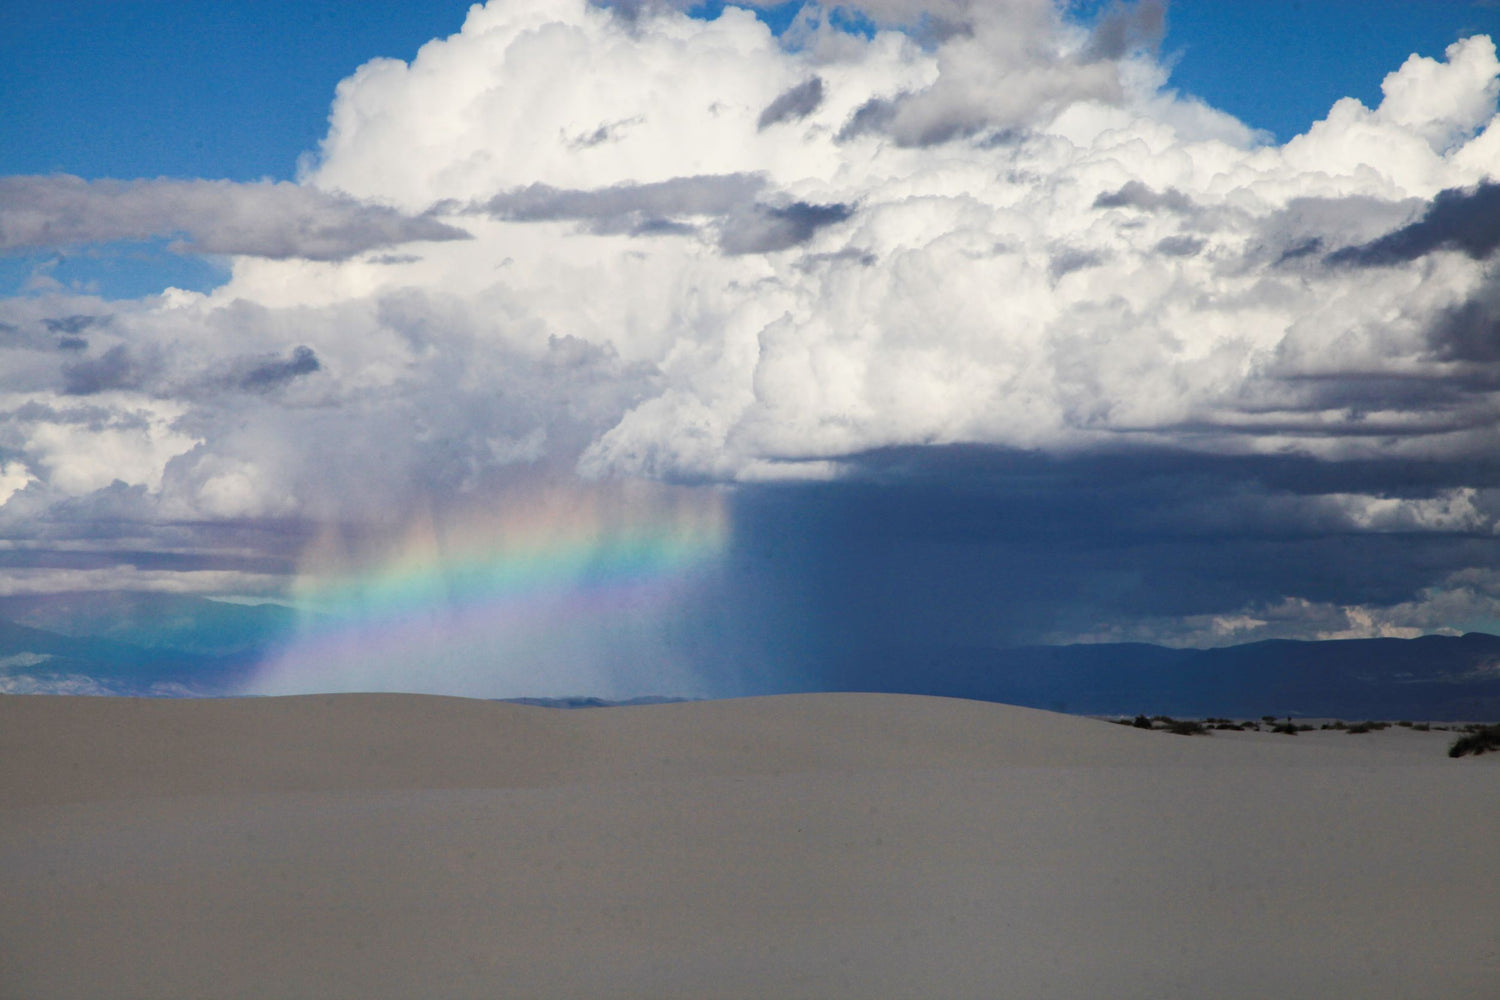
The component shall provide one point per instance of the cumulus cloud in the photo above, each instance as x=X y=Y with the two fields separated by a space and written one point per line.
x=704 y=254
x=264 y=219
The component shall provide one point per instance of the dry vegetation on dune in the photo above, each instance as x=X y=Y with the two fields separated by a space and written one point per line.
x=1478 y=740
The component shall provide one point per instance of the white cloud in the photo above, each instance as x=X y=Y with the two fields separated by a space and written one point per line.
x=974 y=293
x=1006 y=231
x=13 y=479
x=20 y=660
x=70 y=684
x=78 y=450
x=1465 y=510
x=1444 y=102
x=1458 y=603
x=124 y=577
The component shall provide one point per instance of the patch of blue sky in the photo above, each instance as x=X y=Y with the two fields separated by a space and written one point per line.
x=240 y=89
x=233 y=89
x=114 y=271
x=1279 y=65
x=777 y=17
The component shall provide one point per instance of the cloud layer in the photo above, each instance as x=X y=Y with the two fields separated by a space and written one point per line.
x=700 y=253
x=276 y=220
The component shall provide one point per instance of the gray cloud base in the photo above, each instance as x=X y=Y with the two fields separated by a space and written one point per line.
x=1464 y=220
x=264 y=219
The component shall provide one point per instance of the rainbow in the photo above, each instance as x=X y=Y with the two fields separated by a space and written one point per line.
x=552 y=592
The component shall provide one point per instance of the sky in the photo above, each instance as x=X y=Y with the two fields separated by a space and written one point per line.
x=544 y=347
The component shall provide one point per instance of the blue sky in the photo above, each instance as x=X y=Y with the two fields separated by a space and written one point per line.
x=238 y=90
x=987 y=337
x=148 y=88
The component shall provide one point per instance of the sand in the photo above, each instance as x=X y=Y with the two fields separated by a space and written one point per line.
x=817 y=846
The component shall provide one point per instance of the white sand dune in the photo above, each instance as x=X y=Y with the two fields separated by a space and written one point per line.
x=814 y=846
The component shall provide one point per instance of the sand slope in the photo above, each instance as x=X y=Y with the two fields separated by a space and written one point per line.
x=806 y=846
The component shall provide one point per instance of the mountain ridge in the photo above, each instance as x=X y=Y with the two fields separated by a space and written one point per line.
x=184 y=645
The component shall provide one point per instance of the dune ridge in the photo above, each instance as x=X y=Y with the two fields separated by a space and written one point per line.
x=796 y=846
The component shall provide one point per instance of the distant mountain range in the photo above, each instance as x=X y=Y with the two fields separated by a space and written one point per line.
x=182 y=645
x=135 y=643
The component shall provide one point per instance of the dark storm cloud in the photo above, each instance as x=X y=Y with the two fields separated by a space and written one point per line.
x=1464 y=220
x=273 y=374
x=1448 y=401
x=263 y=219
x=793 y=104
x=933 y=548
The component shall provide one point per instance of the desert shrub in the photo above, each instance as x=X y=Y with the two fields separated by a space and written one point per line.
x=1141 y=722
x=1477 y=741
x=1285 y=728
x=1336 y=724
x=1186 y=727
x=1228 y=725
x=1421 y=727
x=1268 y=719
x=1404 y=723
